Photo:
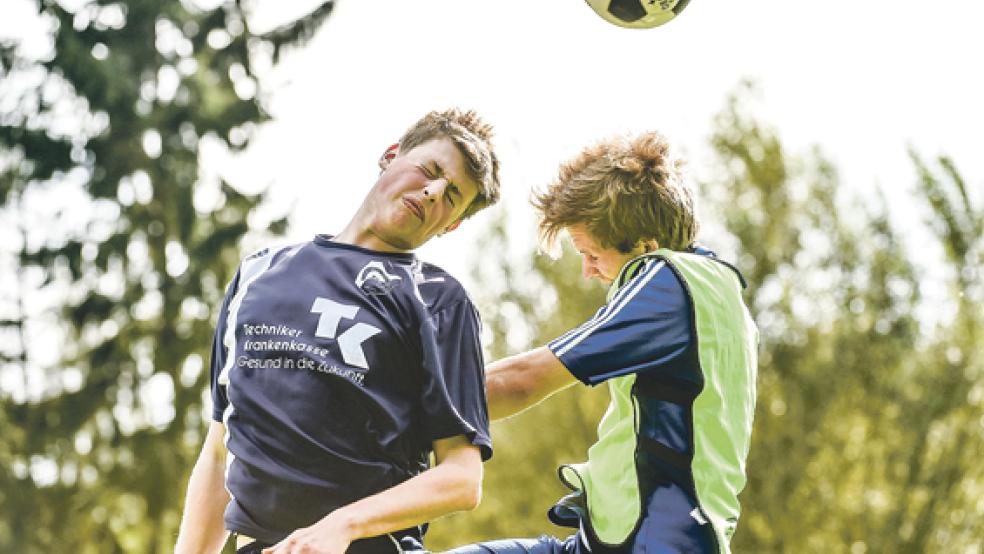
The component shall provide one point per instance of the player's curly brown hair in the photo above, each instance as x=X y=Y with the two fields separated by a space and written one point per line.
x=473 y=137
x=623 y=190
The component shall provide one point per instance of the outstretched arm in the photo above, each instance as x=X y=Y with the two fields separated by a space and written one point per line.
x=453 y=484
x=518 y=382
x=202 y=530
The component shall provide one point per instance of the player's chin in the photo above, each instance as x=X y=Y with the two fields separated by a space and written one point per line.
x=416 y=240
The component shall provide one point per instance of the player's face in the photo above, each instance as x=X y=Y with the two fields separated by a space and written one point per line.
x=421 y=193
x=598 y=262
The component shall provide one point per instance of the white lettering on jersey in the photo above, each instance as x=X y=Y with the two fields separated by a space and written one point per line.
x=350 y=342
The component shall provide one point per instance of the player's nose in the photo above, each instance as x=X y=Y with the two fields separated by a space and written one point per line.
x=434 y=189
x=587 y=269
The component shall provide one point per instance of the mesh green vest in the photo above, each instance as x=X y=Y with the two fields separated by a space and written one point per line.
x=722 y=412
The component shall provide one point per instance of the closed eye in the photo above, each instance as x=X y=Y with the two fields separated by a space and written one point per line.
x=452 y=193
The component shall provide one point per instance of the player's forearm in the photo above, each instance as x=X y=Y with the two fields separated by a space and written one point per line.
x=446 y=488
x=515 y=383
x=508 y=390
x=202 y=530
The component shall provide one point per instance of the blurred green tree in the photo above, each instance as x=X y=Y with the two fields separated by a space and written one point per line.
x=871 y=380
x=116 y=250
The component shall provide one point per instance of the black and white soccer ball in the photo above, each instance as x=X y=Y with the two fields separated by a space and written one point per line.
x=638 y=14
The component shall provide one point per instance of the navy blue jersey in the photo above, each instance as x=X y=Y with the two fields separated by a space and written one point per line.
x=334 y=369
x=644 y=328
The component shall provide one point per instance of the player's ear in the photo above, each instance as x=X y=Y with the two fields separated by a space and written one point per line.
x=389 y=155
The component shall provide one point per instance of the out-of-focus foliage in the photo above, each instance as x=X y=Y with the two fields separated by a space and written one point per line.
x=870 y=419
x=869 y=424
x=116 y=250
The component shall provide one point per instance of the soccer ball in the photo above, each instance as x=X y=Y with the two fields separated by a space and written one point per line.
x=638 y=14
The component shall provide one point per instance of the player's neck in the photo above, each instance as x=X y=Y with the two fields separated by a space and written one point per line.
x=361 y=235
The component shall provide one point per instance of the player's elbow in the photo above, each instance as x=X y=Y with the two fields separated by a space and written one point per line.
x=467 y=490
x=458 y=473
x=470 y=495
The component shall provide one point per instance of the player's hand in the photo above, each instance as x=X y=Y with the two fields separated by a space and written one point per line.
x=323 y=537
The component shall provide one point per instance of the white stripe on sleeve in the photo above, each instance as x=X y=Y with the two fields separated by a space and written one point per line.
x=621 y=299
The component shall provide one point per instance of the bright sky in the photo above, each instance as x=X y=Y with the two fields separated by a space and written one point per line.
x=862 y=81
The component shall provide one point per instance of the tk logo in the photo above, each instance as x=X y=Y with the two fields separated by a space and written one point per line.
x=349 y=342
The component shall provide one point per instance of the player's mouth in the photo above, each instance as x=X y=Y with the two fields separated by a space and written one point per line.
x=414 y=207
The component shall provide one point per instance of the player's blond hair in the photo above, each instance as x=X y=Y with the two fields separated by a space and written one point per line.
x=624 y=190
x=473 y=137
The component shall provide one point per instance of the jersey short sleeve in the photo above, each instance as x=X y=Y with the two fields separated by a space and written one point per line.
x=220 y=353
x=645 y=326
x=453 y=399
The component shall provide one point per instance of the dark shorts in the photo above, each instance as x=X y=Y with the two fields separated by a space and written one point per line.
x=255 y=547
x=379 y=544
x=540 y=545
x=666 y=528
